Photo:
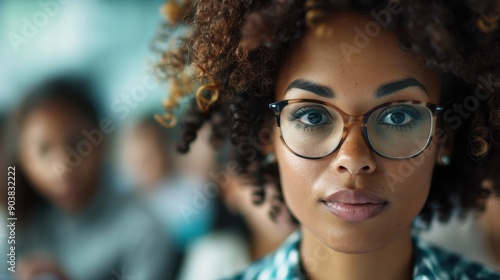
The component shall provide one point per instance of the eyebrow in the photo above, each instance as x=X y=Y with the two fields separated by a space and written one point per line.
x=313 y=87
x=383 y=90
x=393 y=87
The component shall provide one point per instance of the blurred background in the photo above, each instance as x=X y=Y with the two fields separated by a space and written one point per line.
x=106 y=40
x=100 y=192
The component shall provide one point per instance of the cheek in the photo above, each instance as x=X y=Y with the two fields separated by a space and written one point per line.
x=87 y=172
x=298 y=177
x=408 y=182
x=38 y=171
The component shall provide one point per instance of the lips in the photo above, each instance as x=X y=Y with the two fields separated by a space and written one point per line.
x=68 y=191
x=354 y=205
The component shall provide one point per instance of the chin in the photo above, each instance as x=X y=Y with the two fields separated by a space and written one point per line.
x=356 y=238
x=353 y=244
x=71 y=207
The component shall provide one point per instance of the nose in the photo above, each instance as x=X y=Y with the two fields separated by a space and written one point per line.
x=354 y=155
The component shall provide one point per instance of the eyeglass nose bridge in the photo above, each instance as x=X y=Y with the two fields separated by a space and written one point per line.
x=349 y=120
x=354 y=118
x=348 y=124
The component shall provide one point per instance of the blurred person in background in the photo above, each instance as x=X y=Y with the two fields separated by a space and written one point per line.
x=3 y=161
x=3 y=125
x=475 y=235
x=146 y=157
x=173 y=191
x=71 y=224
x=234 y=246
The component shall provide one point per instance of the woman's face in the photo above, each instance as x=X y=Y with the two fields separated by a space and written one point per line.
x=53 y=155
x=145 y=157
x=398 y=188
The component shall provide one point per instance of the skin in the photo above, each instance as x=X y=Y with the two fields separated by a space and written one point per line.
x=381 y=245
x=145 y=156
x=490 y=224
x=200 y=160
x=47 y=132
x=493 y=208
x=36 y=265
x=266 y=234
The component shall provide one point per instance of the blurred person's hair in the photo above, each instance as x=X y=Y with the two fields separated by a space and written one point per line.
x=74 y=92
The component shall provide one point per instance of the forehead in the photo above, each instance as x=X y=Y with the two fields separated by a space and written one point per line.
x=54 y=119
x=354 y=57
x=146 y=135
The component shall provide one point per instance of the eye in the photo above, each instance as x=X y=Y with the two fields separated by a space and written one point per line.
x=313 y=118
x=398 y=115
x=397 y=118
x=43 y=150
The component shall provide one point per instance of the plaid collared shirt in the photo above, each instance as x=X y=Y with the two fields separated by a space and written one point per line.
x=431 y=263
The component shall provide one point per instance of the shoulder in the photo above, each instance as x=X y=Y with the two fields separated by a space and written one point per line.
x=215 y=256
x=461 y=235
x=220 y=242
x=282 y=264
x=432 y=262
x=131 y=217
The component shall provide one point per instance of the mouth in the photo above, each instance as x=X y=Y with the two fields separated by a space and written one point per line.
x=69 y=196
x=354 y=205
x=69 y=192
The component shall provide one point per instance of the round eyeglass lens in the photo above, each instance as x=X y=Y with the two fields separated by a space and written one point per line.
x=399 y=130
x=310 y=129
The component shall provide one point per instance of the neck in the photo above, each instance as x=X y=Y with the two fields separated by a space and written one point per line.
x=267 y=235
x=262 y=244
x=393 y=260
x=491 y=225
x=495 y=240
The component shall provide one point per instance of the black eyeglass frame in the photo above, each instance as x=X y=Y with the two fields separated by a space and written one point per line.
x=435 y=109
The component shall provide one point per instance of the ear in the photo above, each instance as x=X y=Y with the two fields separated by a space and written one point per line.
x=445 y=142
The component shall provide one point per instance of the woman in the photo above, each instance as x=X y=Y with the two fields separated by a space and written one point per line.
x=240 y=237
x=70 y=223
x=476 y=236
x=358 y=122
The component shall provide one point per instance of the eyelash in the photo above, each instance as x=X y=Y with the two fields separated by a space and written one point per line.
x=304 y=110
x=307 y=127
x=407 y=127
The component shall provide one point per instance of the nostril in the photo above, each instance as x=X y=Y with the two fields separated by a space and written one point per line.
x=342 y=168
x=354 y=169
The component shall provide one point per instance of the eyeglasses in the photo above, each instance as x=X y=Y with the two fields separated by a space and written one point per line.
x=314 y=129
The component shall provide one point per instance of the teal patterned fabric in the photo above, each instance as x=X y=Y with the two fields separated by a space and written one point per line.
x=431 y=263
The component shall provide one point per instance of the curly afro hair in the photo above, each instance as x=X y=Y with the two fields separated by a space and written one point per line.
x=231 y=50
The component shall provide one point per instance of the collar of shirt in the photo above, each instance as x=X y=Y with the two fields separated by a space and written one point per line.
x=430 y=263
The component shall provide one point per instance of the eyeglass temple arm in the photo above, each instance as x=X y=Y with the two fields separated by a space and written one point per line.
x=278 y=106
